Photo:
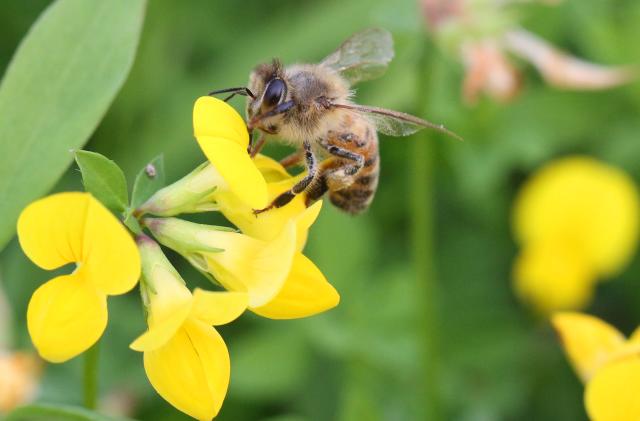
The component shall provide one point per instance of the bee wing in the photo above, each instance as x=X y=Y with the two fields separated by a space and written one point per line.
x=364 y=56
x=395 y=123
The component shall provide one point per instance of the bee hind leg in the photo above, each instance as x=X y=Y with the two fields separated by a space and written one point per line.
x=316 y=190
x=344 y=175
x=300 y=186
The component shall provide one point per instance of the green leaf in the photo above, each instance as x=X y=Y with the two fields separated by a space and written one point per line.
x=104 y=179
x=57 y=88
x=46 y=412
x=149 y=180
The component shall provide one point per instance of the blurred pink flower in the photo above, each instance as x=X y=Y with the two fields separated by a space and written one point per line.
x=488 y=70
x=483 y=32
x=563 y=70
x=19 y=371
x=19 y=380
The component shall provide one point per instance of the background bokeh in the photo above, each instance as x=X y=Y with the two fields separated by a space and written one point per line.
x=489 y=357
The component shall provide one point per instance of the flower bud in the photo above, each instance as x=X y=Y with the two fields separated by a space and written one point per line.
x=190 y=194
x=237 y=261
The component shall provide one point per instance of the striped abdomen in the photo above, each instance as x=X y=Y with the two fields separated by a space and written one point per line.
x=354 y=193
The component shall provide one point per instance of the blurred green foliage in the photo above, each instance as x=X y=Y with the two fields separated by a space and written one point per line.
x=361 y=361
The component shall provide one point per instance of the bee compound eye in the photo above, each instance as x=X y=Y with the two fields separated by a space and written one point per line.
x=275 y=91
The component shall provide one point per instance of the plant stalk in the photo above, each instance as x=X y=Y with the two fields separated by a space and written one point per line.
x=90 y=377
x=421 y=178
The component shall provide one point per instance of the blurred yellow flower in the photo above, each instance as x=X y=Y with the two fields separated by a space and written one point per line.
x=68 y=314
x=281 y=282
x=224 y=139
x=606 y=361
x=577 y=221
x=19 y=379
x=186 y=360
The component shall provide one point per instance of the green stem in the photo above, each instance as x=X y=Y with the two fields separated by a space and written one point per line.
x=90 y=378
x=422 y=185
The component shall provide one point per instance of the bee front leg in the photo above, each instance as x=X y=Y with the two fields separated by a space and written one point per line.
x=300 y=186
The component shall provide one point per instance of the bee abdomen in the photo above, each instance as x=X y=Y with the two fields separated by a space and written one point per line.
x=357 y=197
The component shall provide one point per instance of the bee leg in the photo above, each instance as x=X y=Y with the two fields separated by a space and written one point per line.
x=316 y=190
x=344 y=176
x=292 y=160
x=300 y=186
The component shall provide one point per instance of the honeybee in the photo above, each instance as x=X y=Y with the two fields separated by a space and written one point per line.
x=310 y=106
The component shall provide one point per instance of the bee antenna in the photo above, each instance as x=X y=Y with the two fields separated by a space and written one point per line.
x=242 y=90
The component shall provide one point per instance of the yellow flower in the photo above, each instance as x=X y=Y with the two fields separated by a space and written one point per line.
x=267 y=225
x=551 y=275
x=68 y=314
x=577 y=221
x=185 y=359
x=281 y=282
x=224 y=139
x=606 y=361
x=222 y=134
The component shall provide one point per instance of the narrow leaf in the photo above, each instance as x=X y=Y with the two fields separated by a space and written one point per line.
x=148 y=181
x=46 y=412
x=57 y=88
x=104 y=179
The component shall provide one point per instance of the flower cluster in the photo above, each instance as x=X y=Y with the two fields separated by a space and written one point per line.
x=261 y=267
x=577 y=223
x=606 y=361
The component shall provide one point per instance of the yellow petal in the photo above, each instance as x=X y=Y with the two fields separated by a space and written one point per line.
x=51 y=230
x=218 y=308
x=214 y=358
x=256 y=267
x=612 y=394
x=306 y=292
x=635 y=336
x=588 y=341
x=552 y=277
x=66 y=316
x=271 y=169
x=592 y=204
x=215 y=118
x=111 y=259
x=267 y=225
x=191 y=371
x=304 y=222
x=233 y=163
x=75 y=227
x=167 y=298
x=161 y=332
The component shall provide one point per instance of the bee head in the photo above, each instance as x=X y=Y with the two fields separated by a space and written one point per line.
x=272 y=99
